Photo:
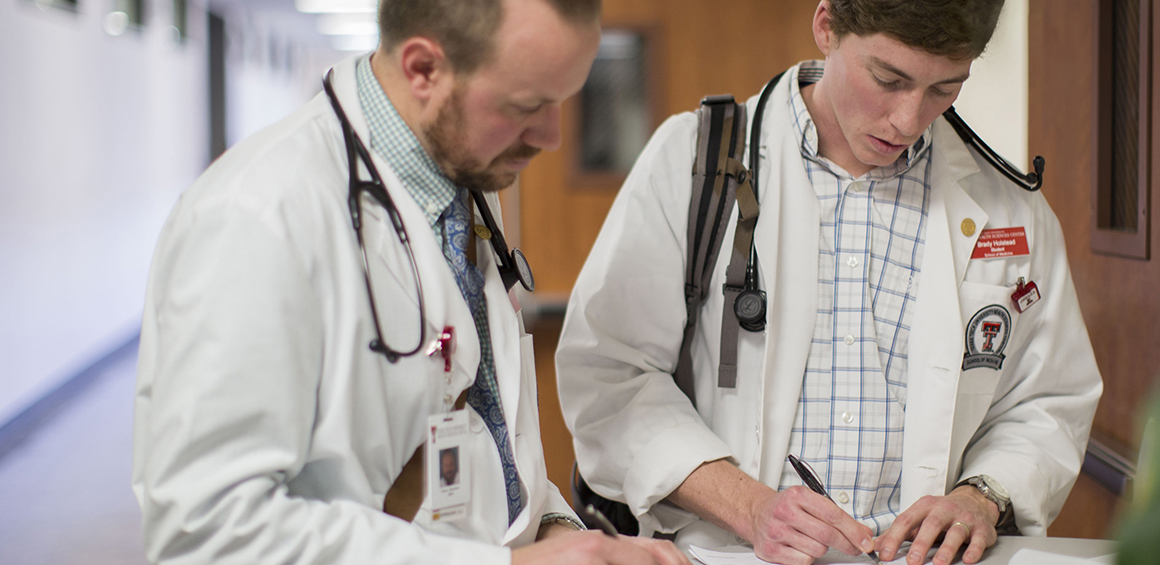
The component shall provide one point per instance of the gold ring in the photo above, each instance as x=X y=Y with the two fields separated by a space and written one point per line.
x=965 y=527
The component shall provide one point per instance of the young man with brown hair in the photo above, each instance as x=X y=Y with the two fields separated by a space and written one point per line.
x=266 y=430
x=895 y=358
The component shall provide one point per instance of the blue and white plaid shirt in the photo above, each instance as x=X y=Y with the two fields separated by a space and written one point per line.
x=849 y=423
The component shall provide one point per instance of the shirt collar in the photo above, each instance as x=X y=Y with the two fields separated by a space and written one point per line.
x=809 y=72
x=393 y=140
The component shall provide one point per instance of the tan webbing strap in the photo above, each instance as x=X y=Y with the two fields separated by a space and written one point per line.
x=406 y=494
x=716 y=174
x=711 y=198
x=735 y=275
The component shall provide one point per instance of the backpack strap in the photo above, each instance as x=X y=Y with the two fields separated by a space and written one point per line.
x=741 y=276
x=717 y=171
x=720 y=179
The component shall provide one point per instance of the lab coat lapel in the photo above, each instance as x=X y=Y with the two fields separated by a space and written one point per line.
x=786 y=234
x=443 y=302
x=936 y=339
x=502 y=317
x=506 y=331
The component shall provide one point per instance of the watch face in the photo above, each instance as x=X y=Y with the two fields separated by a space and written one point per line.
x=994 y=486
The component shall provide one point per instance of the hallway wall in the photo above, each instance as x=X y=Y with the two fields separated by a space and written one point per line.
x=99 y=134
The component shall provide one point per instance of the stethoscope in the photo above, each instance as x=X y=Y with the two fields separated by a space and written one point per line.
x=513 y=266
x=751 y=302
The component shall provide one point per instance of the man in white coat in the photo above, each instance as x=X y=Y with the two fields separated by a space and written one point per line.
x=266 y=429
x=895 y=359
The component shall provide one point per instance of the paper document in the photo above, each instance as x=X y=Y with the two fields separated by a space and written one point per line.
x=1036 y=557
x=741 y=555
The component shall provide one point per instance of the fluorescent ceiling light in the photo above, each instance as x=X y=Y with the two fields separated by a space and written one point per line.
x=355 y=42
x=336 y=6
x=347 y=24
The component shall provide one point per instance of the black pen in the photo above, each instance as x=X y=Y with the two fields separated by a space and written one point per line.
x=596 y=516
x=814 y=484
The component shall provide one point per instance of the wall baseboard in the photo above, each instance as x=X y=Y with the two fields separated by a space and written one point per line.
x=17 y=430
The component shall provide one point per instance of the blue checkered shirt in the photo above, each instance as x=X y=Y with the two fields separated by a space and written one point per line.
x=849 y=423
x=394 y=141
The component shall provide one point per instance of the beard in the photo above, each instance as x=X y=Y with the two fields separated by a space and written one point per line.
x=457 y=163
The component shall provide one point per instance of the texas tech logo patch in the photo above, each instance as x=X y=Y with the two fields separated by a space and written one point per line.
x=987 y=334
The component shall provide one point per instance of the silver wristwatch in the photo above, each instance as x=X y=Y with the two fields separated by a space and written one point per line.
x=990 y=489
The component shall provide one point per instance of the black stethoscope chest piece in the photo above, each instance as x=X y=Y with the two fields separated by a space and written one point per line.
x=513 y=266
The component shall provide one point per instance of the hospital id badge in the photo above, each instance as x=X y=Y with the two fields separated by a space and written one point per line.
x=448 y=466
x=1026 y=294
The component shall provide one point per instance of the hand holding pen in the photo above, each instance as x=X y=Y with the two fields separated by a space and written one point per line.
x=813 y=483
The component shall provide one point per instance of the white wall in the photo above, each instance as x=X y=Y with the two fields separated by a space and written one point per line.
x=994 y=101
x=98 y=136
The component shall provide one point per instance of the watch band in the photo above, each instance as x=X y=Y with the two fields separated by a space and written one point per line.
x=993 y=492
x=561 y=519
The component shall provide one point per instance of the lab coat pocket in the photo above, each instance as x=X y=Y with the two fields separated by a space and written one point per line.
x=989 y=323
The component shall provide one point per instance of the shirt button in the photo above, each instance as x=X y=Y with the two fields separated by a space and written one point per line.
x=852 y=262
x=856 y=186
x=849 y=340
x=432 y=208
x=810 y=135
x=447 y=399
x=843 y=497
x=847 y=417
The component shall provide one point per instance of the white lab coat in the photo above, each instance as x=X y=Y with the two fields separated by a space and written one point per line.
x=266 y=431
x=637 y=437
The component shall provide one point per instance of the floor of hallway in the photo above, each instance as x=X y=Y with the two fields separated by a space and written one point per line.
x=65 y=495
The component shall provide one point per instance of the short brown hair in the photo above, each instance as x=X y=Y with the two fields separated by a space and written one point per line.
x=959 y=29
x=464 y=28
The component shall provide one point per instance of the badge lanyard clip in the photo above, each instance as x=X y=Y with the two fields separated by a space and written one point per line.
x=1026 y=294
x=444 y=344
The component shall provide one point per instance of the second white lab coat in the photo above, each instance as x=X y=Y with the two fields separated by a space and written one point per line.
x=636 y=435
x=265 y=430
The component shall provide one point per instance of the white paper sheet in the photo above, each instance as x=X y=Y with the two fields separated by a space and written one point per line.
x=1036 y=557
x=741 y=555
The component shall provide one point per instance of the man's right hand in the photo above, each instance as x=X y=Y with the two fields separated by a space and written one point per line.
x=793 y=527
x=797 y=525
x=596 y=548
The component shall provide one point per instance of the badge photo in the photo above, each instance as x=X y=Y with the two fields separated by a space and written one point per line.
x=448 y=466
x=986 y=336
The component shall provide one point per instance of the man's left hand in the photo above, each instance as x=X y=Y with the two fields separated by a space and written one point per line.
x=964 y=516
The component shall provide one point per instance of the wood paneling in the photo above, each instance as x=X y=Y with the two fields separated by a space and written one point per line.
x=554 y=434
x=705 y=47
x=1120 y=297
x=1090 y=512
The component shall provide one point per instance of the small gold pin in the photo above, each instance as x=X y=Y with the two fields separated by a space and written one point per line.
x=482 y=232
x=968 y=227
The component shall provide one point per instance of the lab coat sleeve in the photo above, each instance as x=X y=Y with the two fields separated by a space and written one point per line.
x=1033 y=437
x=233 y=340
x=636 y=435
